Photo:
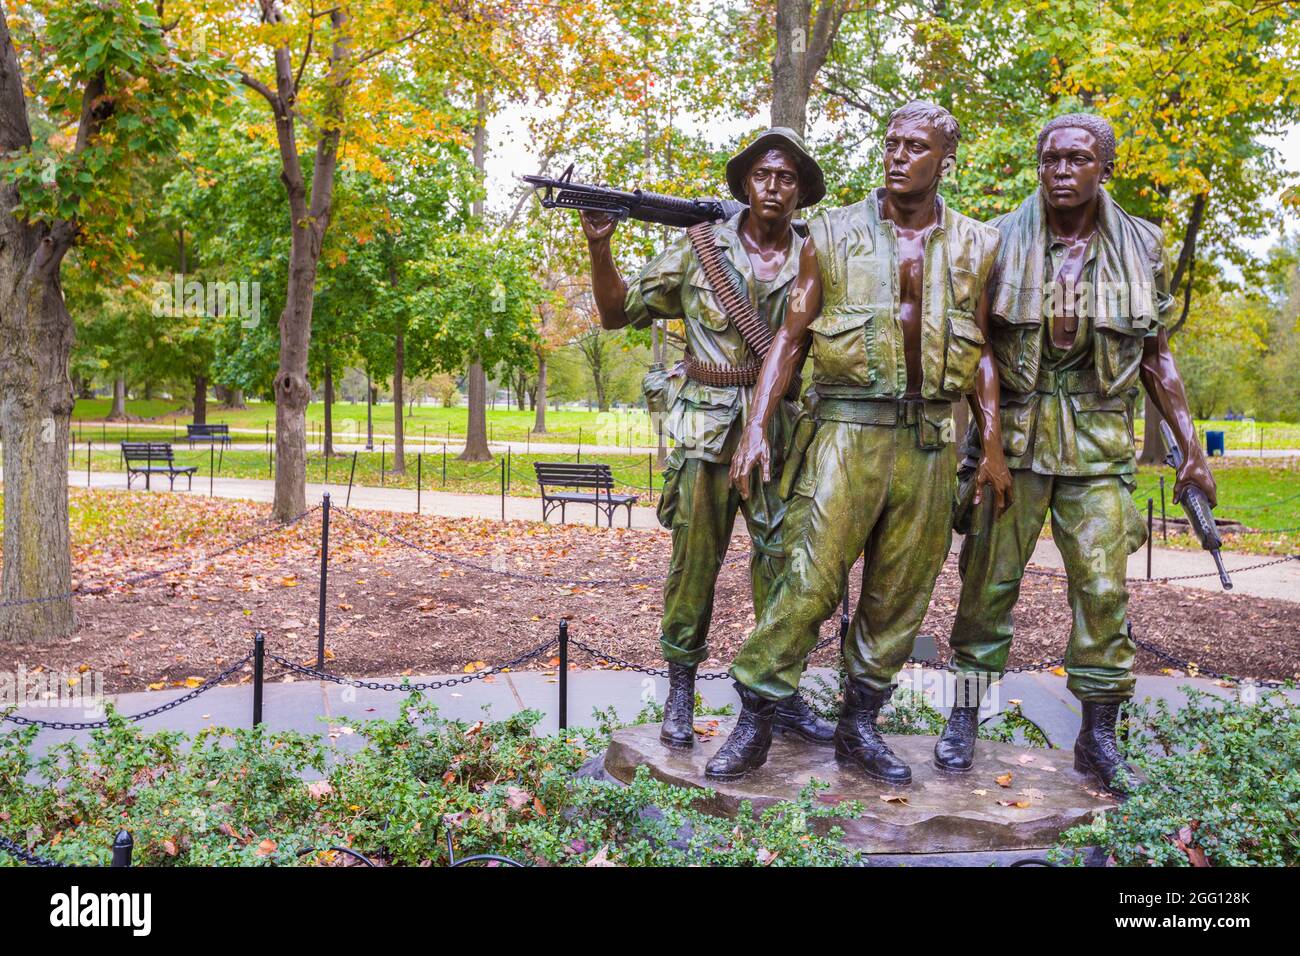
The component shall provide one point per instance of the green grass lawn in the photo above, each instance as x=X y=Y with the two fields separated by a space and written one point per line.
x=435 y=423
x=1246 y=436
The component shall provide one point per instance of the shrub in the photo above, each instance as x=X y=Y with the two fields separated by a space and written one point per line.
x=1221 y=788
x=252 y=797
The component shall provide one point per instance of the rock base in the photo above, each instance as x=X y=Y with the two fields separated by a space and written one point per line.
x=1015 y=798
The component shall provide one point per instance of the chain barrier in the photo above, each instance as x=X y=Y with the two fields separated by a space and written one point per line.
x=462 y=562
x=1195 y=669
x=621 y=664
x=203 y=688
x=1060 y=576
x=24 y=855
x=153 y=575
x=407 y=686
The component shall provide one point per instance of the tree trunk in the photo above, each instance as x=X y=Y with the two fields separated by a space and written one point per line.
x=35 y=412
x=234 y=398
x=539 y=402
x=200 y=400
x=476 y=444
x=118 y=412
x=309 y=218
x=399 y=433
x=36 y=339
x=476 y=429
x=802 y=45
x=329 y=408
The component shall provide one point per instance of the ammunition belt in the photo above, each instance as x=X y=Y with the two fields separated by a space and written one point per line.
x=723 y=376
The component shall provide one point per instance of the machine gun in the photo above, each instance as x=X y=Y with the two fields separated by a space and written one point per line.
x=1197 y=507
x=564 y=193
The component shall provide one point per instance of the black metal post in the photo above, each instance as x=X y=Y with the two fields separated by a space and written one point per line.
x=1164 y=523
x=1150 y=531
x=444 y=464
x=580 y=444
x=212 y=448
x=89 y=446
x=350 y=475
x=564 y=675
x=383 y=454
x=503 y=489
x=419 y=478
x=259 y=651
x=370 y=424
x=324 y=577
x=123 y=844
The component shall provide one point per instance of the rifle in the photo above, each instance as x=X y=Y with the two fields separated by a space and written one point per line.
x=1197 y=507
x=564 y=193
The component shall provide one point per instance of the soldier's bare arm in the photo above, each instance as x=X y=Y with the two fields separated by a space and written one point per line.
x=607 y=286
x=778 y=371
x=1164 y=384
x=984 y=406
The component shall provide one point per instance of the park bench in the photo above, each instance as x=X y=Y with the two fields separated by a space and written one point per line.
x=208 y=433
x=154 y=458
x=573 y=478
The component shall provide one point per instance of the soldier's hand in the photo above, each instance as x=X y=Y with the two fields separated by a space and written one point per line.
x=993 y=472
x=752 y=450
x=597 y=225
x=1196 y=471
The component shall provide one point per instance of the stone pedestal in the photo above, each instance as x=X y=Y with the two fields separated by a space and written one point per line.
x=1015 y=798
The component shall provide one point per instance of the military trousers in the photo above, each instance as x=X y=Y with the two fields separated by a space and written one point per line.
x=699 y=506
x=1096 y=526
x=870 y=490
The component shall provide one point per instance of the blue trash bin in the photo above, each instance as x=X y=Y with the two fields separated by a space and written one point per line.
x=1214 y=443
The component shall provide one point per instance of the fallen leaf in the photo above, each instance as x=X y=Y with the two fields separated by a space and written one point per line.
x=1004 y=780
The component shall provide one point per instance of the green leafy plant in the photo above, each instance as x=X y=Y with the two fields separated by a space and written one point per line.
x=241 y=797
x=1220 y=786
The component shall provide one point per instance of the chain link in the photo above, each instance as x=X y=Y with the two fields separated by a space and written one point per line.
x=1193 y=667
x=1176 y=577
x=517 y=575
x=27 y=856
x=203 y=688
x=407 y=686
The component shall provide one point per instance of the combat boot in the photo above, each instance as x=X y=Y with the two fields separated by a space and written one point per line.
x=954 y=752
x=746 y=748
x=858 y=742
x=794 y=716
x=678 y=730
x=1096 y=751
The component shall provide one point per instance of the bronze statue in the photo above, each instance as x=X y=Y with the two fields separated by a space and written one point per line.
x=890 y=297
x=710 y=395
x=1079 y=296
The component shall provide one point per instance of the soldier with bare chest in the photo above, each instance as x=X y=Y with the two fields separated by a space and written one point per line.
x=889 y=304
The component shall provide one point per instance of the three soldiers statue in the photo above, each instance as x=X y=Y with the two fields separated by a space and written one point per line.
x=1044 y=321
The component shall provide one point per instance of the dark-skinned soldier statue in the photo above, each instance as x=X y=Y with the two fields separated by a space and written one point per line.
x=710 y=398
x=1079 y=296
x=890 y=296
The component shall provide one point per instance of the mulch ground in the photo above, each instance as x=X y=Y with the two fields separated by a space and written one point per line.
x=393 y=609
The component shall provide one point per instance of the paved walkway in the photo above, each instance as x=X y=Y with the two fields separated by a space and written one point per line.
x=1280 y=581
x=315 y=706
